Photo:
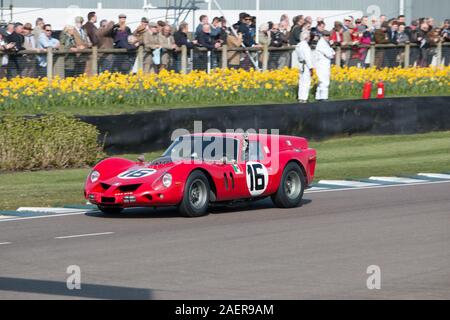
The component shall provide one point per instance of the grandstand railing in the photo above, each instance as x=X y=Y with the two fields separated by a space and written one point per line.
x=63 y=63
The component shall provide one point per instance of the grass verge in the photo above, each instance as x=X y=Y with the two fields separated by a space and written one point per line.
x=341 y=158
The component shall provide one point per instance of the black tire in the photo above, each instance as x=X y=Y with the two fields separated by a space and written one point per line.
x=291 y=188
x=196 y=196
x=108 y=210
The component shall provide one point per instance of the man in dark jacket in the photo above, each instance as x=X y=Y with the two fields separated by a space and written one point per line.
x=294 y=35
x=391 y=54
x=412 y=32
x=205 y=41
x=244 y=28
x=181 y=39
x=16 y=62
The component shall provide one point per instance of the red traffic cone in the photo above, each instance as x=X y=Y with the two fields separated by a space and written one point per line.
x=367 y=90
x=380 y=90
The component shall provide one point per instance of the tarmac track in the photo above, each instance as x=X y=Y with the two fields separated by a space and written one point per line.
x=319 y=251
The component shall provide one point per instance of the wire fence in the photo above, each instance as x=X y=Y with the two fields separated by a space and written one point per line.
x=68 y=63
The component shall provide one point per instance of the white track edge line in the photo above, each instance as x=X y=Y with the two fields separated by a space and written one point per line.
x=42 y=217
x=378 y=187
x=85 y=235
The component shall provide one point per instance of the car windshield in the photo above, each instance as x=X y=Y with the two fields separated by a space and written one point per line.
x=203 y=148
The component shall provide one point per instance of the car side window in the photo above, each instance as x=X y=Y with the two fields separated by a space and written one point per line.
x=255 y=151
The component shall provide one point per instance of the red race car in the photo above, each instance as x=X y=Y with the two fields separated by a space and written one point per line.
x=200 y=169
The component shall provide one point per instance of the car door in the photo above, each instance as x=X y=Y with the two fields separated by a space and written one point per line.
x=257 y=169
x=228 y=174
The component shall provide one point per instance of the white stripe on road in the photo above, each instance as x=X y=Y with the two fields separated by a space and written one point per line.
x=345 y=183
x=380 y=187
x=315 y=189
x=435 y=175
x=397 y=180
x=85 y=235
x=10 y=218
x=4 y=243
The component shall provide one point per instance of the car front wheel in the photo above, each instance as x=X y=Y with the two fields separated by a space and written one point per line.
x=291 y=188
x=196 y=196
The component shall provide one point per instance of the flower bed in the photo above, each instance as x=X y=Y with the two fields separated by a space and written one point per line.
x=219 y=87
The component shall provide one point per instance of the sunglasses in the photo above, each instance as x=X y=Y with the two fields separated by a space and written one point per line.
x=46 y=30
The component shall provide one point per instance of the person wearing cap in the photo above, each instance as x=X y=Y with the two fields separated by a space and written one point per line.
x=323 y=56
x=168 y=46
x=30 y=60
x=381 y=37
x=152 y=49
x=122 y=33
x=348 y=21
x=141 y=29
x=305 y=60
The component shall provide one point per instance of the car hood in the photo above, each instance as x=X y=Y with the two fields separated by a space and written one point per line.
x=140 y=173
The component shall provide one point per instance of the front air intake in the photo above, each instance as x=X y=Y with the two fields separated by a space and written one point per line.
x=129 y=188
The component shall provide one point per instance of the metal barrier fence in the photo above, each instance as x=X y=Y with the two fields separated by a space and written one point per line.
x=66 y=63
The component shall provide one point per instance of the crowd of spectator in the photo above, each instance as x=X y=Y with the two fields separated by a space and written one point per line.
x=162 y=43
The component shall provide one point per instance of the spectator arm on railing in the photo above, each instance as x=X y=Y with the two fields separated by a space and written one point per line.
x=166 y=43
x=182 y=40
x=45 y=42
x=151 y=42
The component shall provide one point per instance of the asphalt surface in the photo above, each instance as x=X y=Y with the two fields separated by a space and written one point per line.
x=319 y=251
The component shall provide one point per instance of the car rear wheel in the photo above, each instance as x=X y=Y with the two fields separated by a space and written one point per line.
x=291 y=188
x=196 y=196
x=108 y=210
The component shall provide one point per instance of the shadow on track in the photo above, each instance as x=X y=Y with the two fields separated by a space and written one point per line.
x=172 y=212
x=92 y=291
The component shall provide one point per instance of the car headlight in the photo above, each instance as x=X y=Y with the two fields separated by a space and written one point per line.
x=167 y=180
x=95 y=175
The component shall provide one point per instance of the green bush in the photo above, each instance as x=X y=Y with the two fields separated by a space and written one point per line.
x=48 y=142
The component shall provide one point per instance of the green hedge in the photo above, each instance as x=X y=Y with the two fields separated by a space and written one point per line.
x=47 y=142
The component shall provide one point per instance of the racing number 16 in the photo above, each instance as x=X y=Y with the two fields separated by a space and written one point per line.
x=257 y=179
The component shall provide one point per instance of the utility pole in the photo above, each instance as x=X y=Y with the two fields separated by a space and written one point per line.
x=401 y=6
